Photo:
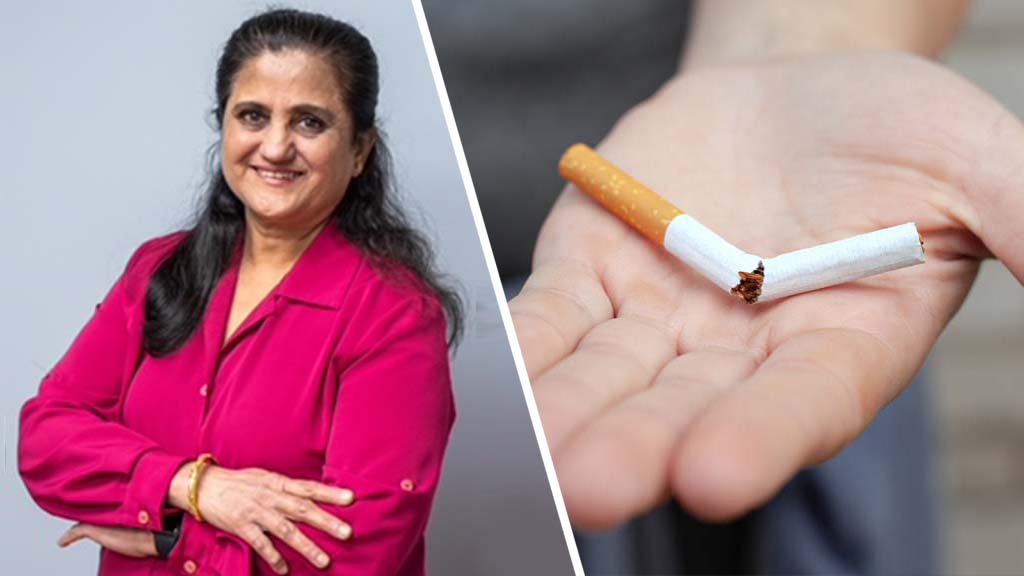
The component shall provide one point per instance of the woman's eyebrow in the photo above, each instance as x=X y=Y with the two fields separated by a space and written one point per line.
x=318 y=111
x=324 y=114
x=248 y=104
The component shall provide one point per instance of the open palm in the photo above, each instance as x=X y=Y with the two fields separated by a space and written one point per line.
x=651 y=381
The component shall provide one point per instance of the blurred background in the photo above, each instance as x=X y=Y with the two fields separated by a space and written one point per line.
x=517 y=58
x=977 y=367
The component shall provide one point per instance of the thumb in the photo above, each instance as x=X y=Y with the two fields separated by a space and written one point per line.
x=996 y=191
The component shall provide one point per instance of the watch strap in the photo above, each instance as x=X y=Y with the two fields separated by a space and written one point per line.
x=166 y=539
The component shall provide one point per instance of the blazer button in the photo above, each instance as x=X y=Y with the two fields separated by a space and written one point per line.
x=190 y=567
x=202 y=391
x=407 y=485
x=143 y=517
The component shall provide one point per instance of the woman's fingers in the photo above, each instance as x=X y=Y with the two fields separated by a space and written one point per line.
x=276 y=501
x=262 y=545
x=618 y=466
x=812 y=396
x=126 y=541
x=280 y=526
x=318 y=491
x=308 y=512
x=73 y=534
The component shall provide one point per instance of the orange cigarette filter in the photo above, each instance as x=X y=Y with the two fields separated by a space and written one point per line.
x=618 y=192
x=748 y=276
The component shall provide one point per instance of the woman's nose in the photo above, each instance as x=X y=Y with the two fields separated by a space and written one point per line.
x=277 y=146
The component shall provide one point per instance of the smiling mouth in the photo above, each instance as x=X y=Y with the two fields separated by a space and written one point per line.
x=278 y=175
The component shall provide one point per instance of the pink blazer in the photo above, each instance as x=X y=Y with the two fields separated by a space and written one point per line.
x=339 y=375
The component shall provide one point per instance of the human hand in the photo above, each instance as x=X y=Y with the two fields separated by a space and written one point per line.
x=252 y=501
x=127 y=541
x=650 y=381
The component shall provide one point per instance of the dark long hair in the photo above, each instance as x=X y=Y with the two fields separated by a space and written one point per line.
x=368 y=215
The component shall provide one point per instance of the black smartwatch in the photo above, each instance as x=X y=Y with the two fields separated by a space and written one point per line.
x=166 y=539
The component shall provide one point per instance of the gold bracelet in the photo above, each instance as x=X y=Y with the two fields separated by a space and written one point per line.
x=202 y=462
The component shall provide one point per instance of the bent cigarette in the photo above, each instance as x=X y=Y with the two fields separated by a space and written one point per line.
x=747 y=276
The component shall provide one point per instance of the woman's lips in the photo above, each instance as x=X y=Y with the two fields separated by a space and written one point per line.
x=278 y=177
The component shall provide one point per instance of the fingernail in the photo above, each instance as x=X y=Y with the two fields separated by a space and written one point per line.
x=344 y=531
x=322 y=560
x=346 y=497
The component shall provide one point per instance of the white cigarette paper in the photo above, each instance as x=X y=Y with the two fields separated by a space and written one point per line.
x=798 y=271
x=748 y=276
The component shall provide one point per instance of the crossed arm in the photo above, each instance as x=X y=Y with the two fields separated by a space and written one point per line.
x=79 y=462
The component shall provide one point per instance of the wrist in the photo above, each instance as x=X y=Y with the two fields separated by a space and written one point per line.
x=732 y=32
x=177 y=493
x=198 y=470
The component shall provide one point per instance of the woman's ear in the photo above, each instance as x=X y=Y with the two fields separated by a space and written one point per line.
x=364 y=145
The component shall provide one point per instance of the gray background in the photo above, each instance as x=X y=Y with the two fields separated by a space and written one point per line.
x=977 y=365
x=104 y=129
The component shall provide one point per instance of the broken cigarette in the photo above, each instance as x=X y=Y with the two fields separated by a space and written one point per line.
x=747 y=276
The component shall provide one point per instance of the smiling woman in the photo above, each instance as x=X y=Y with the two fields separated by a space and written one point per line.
x=289 y=145
x=268 y=389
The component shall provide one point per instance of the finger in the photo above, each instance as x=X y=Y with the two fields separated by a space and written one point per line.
x=72 y=535
x=812 y=396
x=309 y=513
x=318 y=491
x=147 y=546
x=615 y=359
x=618 y=466
x=127 y=541
x=262 y=545
x=285 y=530
x=996 y=196
x=561 y=301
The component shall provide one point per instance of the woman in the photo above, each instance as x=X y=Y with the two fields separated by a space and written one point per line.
x=275 y=379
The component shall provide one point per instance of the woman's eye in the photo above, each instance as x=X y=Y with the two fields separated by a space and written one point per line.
x=251 y=117
x=312 y=124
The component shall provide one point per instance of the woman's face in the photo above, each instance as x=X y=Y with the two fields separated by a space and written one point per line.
x=288 y=149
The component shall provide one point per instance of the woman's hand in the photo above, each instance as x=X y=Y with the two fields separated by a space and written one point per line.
x=127 y=541
x=650 y=381
x=252 y=501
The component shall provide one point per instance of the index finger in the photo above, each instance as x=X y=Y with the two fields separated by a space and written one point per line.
x=304 y=510
x=319 y=491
